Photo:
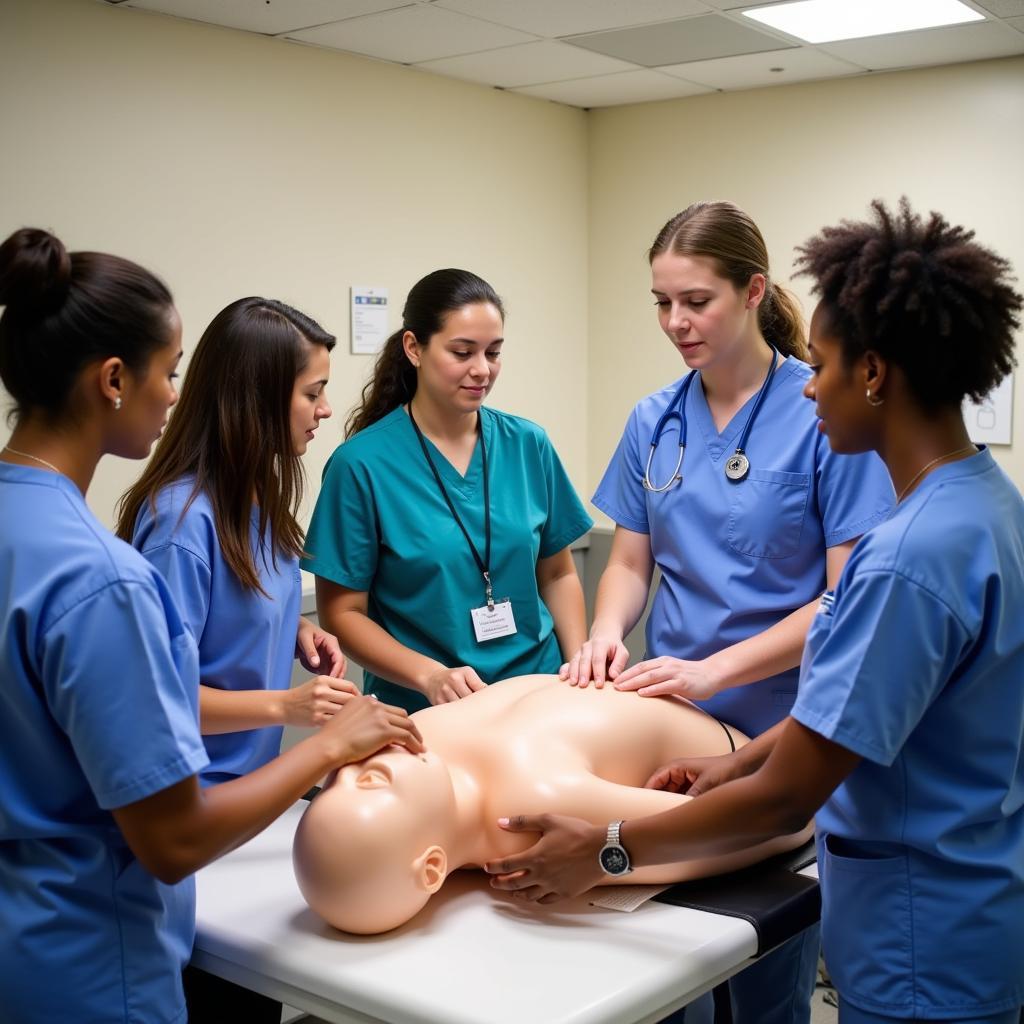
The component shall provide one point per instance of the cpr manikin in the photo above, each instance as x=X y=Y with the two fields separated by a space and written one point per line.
x=385 y=832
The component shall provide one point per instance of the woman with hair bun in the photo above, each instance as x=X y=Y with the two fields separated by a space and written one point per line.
x=103 y=817
x=907 y=735
x=441 y=534
x=722 y=482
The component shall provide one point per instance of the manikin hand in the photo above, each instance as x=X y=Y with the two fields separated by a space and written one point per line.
x=696 y=775
x=659 y=676
x=318 y=650
x=365 y=726
x=601 y=657
x=448 y=684
x=561 y=864
x=315 y=702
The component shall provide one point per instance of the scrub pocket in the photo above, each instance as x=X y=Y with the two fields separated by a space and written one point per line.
x=766 y=513
x=866 y=925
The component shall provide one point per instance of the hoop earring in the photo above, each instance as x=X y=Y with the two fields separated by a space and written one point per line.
x=873 y=400
x=117 y=402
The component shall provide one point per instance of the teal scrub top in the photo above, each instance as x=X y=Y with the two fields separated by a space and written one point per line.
x=382 y=526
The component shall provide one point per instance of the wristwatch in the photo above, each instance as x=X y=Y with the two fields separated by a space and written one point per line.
x=613 y=857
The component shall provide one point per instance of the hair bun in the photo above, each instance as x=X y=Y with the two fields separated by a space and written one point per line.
x=35 y=271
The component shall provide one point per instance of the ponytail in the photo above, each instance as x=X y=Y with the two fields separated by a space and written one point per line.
x=393 y=383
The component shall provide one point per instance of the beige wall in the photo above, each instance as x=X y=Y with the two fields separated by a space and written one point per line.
x=796 y=157
x=233 y=165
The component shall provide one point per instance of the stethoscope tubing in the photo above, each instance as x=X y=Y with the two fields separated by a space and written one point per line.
x=676 y=408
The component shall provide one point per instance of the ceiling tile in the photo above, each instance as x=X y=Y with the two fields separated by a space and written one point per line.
x=1017 y=23
x=614 y=90
x=1002 y=8
x=527 y=64
x=675 y=42
x=570 y=17
x=412 y=34
x=732 y=5
x=930 y=46
x=270 y=18
x=753 y=70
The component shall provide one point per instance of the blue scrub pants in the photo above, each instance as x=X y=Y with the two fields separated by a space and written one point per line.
x=776 y=989
x=849 y=1014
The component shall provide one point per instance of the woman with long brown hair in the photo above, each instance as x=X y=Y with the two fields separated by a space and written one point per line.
x=215 y=511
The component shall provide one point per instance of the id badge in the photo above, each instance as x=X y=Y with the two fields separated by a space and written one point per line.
x=489 y=625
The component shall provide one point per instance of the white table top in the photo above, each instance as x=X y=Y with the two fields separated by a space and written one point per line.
x=472 y=956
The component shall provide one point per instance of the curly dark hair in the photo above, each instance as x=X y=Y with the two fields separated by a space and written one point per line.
x=922 y=294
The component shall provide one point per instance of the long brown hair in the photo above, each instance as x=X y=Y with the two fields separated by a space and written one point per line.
x=724 y=233
x=430 y=300
x=232 y=430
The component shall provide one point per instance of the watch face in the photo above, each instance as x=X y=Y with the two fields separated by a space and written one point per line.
x=614 y=860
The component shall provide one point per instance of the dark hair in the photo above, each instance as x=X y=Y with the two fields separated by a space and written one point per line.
x=65 y=310
x=232 y=429
x=922 y=294
x=430 y=300
x=725 y=234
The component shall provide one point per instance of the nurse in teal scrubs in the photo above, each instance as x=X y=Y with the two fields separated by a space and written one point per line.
x=440 y=538
x=907 y=735
x=102 y=817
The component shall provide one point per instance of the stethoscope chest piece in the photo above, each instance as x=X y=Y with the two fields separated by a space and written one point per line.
x=737 y=467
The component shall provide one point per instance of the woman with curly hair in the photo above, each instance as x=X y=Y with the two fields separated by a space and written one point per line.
x=907 y=736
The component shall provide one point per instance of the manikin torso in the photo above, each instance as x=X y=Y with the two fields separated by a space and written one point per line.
x=523 y=746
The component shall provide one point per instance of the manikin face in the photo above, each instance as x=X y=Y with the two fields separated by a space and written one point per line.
x=147 y=399
x=309 y=398
x=458 y=367
x=704 y=315
x=838 y=391
x=371 y=848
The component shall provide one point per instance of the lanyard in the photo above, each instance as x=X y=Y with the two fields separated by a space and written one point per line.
x=483 y=564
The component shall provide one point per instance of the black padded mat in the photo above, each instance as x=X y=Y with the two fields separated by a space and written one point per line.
x=777 y=901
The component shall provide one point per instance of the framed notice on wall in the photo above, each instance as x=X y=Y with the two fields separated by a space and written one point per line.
x=990 y=421
x=369 y=319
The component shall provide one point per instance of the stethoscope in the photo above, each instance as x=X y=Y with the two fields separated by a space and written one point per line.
x=737 y=466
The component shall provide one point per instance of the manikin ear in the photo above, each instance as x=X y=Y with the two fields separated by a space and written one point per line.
x=756 y=288
x=411 y=347
x=430 y=869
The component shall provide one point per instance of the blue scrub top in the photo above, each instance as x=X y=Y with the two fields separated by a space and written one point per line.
x=917 y=665
x=98 y=678
x=737 y=557
x=246 y=639
x=381 y=526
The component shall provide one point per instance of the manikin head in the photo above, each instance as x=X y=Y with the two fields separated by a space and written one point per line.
x=375 y=844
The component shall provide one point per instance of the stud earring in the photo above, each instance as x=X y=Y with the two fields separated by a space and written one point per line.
x=873 y=399
x=117 y=402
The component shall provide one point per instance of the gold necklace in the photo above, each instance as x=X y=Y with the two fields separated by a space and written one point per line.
x=26 y=455
x=924 y=469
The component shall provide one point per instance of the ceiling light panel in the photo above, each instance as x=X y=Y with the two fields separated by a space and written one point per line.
x=413 y=34
x=571 y=17
x=675 y=42
x=824 y=21
x=272 y=18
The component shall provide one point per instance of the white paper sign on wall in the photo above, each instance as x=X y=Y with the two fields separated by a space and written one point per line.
x=990 y=421
x=369 y=319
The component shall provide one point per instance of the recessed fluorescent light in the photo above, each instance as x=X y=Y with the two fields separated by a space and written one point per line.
x=825 y=21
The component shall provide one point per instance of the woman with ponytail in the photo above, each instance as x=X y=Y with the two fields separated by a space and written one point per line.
x=747 y=525
x=103 y=817
x=440 y=539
